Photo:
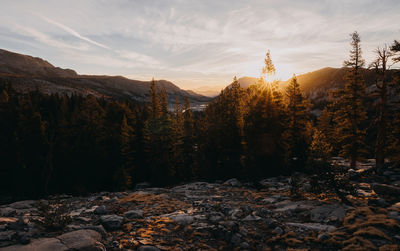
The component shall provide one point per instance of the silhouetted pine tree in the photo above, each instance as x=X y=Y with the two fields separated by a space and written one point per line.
x=394 y=138
x=381 y=67
x=351 y=115
x=297 y=133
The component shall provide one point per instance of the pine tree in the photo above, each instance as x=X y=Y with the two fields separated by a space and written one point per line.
x=351 y=115
x=269 y=69
x=164 y=102
x=154 y=101
x=122 y=177
x=297 y=126
x=395 y=49
x=394 y=137
x=188 y=139
x=381 y=67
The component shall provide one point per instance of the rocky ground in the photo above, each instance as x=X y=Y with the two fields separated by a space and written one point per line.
x=212 y=216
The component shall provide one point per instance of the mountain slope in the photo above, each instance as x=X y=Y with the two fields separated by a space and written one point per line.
x=31 y=73
x=319 y=82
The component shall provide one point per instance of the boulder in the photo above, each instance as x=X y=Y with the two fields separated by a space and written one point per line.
x=7 y=211
x=386 y=189
x=236 y=239
x=326 y=213
x=22 y=204
x=288 y=206
x=134 y=214
x=216 y=216
x=232 y=182
x=6 y=236
x=111 y=222
x=251 y=217
x=42 y=244
x=324 y=237
x=182 y=219
x=100 y=210
x=278 y=231
x=82 y=240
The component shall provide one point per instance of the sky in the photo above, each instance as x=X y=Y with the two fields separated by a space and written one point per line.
x=195 y=43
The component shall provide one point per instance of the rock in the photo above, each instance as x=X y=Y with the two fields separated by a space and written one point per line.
x=134 y=214
x=7 y=211
x=99 y=228
x=42 y=244
x=216 y=216
x=278 y=231
x=22 y=204
x=378 y=202
x=386 y=189
x=236 y=239
x=269 y=200
x=24 y=239
x=244 y=245
x=148 y=248
x=326 y=213
x=233 y=182
x=252 y=217
x=182 y=219
x=111 y=222
x=323 y=237
x=142 y=185
x=7 y=235
x=394 y=215
x=82 y=240
x=100 y=210
x=77 y=212
x=306 y=187
x=312 y=226
x=77 y=240
x=288 y=206
x=270 y=223
x=395 y=206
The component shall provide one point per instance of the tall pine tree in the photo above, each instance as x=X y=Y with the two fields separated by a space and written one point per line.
x=351 y=114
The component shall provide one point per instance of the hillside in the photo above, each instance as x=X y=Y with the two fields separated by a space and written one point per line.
x=316 y=84
x=31 y=73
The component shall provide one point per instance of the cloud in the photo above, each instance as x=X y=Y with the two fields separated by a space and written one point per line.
x=44 y=38
x=73 y=32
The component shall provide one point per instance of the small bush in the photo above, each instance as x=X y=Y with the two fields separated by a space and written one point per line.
x=54 y=215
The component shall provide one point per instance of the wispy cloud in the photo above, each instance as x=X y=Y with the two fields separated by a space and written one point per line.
x=73 y=32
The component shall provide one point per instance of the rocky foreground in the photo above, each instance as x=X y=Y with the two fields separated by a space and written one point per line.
x=213 y=216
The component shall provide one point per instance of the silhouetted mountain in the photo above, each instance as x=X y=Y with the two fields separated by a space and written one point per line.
x=27 y=73
x=18 y=64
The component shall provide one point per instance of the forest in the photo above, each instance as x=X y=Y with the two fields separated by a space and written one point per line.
x=52 y=144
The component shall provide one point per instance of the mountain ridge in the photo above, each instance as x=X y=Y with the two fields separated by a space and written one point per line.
x=27 y=73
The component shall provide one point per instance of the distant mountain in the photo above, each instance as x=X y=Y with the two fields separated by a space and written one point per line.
x=317 y=84
x=18 y=64
x=26 y=73
x=209 y=91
